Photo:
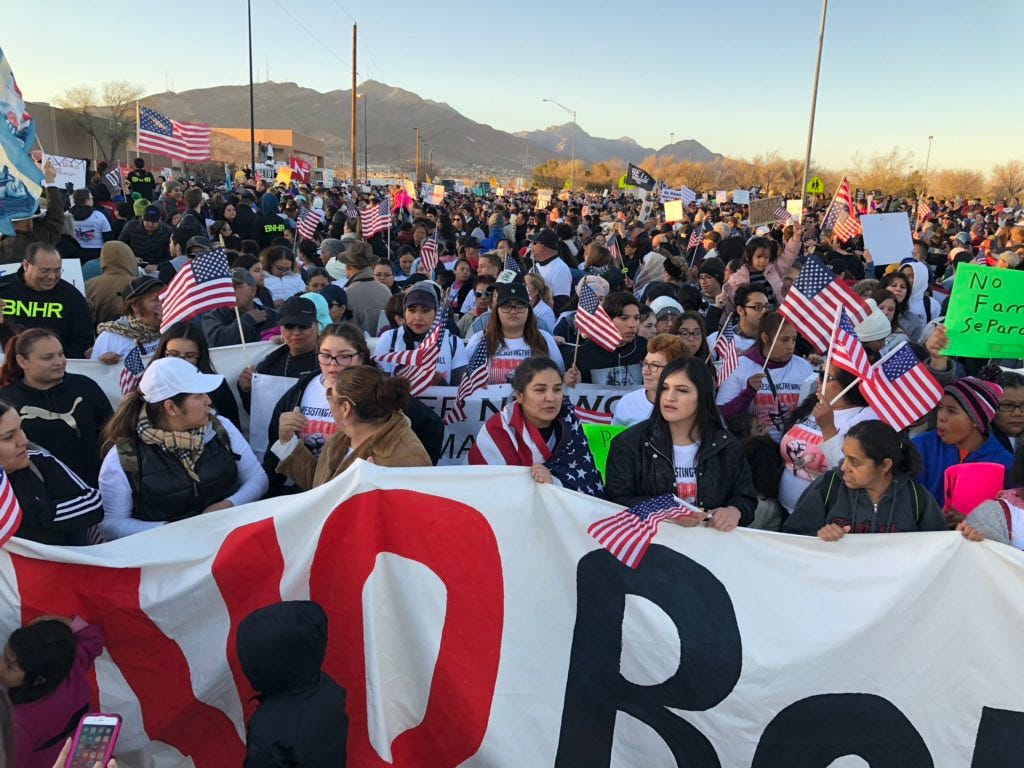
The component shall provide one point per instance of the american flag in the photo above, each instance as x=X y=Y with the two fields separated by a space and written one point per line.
x=474 y=378
x=781 y=214
x=201 y=285
x=901 y=390
x=612 y=244
x=10 y=509
x=513 y=264
x=593 y=322
x=420 y=371
x=507 y=438
x=923 y=211
x=847 y=351
x=188 y=142
x=429 y=255
x=841 y=217
x=725 y=350
x=810 y=306
x=628 y=534
x=308 y=223
x=698 y=233
x=588 y=416
x=132 y=372
x=374 y=219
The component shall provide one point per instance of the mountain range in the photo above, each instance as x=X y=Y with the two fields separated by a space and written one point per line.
x=391 y=117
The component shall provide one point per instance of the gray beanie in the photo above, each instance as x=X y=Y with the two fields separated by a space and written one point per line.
x=989 y=520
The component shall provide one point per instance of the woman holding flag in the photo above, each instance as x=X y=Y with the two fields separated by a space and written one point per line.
x=540 y=430
x=421 y=305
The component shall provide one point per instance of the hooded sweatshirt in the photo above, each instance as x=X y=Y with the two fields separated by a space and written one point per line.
x=62 y=309
x=269 y=224
x=936 y=456
x=104 y=292
x=301 y=718
x=92 y=228
x=923 y=308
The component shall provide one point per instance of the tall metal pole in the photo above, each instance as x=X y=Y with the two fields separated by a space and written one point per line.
x=814 y=102
x=252 y=107
x=354 y=169
x=572 y=162
x=927 y=158
x=417 y=156
x=366 y=141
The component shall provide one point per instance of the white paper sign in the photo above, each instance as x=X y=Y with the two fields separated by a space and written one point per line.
x=674 y=210
x=741 y=196
x=721 y=196
x=72 y=272
x=887 y=236
x=795 y=208
x=61 y=171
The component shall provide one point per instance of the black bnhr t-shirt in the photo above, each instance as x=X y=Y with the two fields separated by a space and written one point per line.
x=142 y=182
x=620 y=368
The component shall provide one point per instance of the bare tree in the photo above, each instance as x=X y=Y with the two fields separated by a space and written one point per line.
x=951 y=182
x=108 y=116
x=890 y=172
x=770 y=171
x=1008 y=179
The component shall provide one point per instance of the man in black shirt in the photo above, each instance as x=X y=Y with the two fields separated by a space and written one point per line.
x=298 y=355
x=141 y=180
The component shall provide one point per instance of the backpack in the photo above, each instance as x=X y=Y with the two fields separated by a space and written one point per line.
x=830 y=497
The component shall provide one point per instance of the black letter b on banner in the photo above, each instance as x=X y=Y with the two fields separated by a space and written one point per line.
x=711 y=657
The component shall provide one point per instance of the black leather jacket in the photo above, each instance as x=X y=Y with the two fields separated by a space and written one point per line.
x=640 y=467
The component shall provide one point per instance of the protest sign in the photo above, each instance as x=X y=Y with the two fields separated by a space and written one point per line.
x=410 y=188
x=674 y=210
x=71 y=272
x=645 y=210
x=763 y=211
x=167 y=173
x=284 y=175
x=599 y=438
x=721 y=197
x=266 y=391
x=20 y=177
x=795 y=208
x=60 y=171
x=887 y=236
x=543 y=198
x=986 y=313
x=741 y=196
x=474 y=621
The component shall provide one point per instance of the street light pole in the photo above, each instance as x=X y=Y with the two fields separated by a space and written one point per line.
x=814 y=102
x=572 y=162
x=252 y=107
x=366 y=141
x=927 y=158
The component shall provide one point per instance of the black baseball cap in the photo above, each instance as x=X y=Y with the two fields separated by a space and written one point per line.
x=152 y=213
x=545 y=237
x=508 y=292
x=298 y=311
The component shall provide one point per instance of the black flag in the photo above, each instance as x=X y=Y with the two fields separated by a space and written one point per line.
x=638 y=177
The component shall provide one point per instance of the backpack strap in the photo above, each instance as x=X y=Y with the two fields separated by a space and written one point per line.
x=829 y=496
x=1009 y=518
x=222 y=435
x=128 y=457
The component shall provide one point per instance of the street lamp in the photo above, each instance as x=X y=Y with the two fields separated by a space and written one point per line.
x=572 y=162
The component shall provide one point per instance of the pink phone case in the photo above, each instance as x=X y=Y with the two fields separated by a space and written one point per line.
x=106 y=748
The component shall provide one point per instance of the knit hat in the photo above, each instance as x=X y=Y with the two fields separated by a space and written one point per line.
x=875 y=326
x=139 y=207
x=714 y=267
x=989 y=520
x=978 y=398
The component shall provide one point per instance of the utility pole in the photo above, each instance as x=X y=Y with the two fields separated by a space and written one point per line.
x=354 y=170
x=417 y=156
x=252 y=108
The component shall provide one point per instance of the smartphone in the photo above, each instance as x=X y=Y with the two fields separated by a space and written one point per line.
x=94 y=741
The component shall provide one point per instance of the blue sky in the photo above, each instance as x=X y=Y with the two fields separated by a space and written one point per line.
x=738 y=80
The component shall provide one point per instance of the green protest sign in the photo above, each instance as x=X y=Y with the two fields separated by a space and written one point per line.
x=986 y=313
x=599 y=436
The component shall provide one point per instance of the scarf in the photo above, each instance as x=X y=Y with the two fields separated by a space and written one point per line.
x=132 y=328
x=186 y=446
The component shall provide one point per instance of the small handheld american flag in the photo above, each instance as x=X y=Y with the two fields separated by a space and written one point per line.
x=811 y=303
x=726 y=352
x=628 y=534
x=429 y=255
x=900 y=389
x=847 y=351
x=594 y=323
x=475 y=377
x=10 y=509
x=132 y=372
x=841 y=217
x=308 y=223
x=374 y=219
x=201 y=285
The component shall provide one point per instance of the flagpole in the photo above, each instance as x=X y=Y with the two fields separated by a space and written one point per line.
x=768 y=357
x=241 y=336
x=724 y=326
x=814 y=102
x=837 y=398
x=832 y=339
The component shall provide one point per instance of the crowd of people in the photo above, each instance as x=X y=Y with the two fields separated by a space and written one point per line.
x=781 y=442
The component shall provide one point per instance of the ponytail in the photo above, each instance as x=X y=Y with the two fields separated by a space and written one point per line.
x=879 y=442
x=21 y=344
x=125 y=418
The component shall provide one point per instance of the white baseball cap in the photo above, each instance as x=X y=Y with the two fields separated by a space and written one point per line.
x=170 y=376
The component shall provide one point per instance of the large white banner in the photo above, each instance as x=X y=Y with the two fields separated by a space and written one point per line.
x=506 y=637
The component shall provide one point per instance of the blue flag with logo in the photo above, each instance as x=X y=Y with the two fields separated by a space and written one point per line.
x=21 y=180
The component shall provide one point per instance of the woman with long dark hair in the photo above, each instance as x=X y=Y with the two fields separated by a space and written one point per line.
x=512 y=335
x=186 y=341
x=683 y=449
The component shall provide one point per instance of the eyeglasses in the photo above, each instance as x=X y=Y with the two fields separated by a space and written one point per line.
x=688 y=334
x=343 y=359
x=757 y=307
x=192 y=357
x=1011 y=407
x=49 y=272
x=652 y=367
x=294 y=327
x=513 y=308
x=481 y=294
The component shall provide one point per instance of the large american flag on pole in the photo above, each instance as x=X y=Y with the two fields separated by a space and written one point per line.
x=900 y=389
x=847 y=351
x=726 y=352
x=201 y=285
x=593 y=322
x=474 y=378
x=841 y=217
x=188 y=142
x=628 y=534
x=374 y=218
x=10 y=509
x=812 y=301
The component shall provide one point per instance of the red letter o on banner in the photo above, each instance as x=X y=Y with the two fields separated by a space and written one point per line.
x=457 y=544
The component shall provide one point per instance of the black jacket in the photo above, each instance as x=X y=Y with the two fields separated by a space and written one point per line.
x=57 y=507
x=152 y=249
x=281 y=363
x=301 y=718
x=62 y=309
x=65 y=420
x=640 y=466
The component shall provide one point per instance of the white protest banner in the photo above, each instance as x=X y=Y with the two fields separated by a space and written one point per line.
x=71 y=272
x=674 y=210
x=61 y=171
x=593 y=404
x=475 y=622
x=762 y=211
x=741 y=196
x=645 y=210
x=887 y=236
x=266 y=391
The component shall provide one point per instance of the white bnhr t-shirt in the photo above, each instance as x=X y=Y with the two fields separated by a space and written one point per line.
x=453 y=352
x=684 y=459
x=511 y=354
x=320 y=424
